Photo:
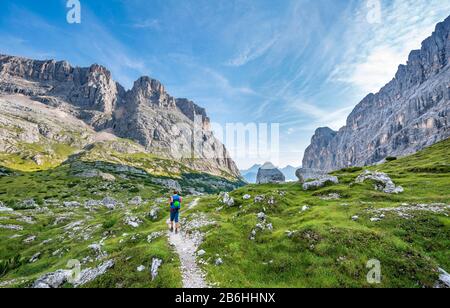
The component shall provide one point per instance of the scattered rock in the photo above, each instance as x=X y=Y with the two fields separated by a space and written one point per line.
x=355 y=218
x=226 y=199
x=332 y=196
x=384 y=182
x=92 y=203
x=29 y=239
x=154 y=212
x=444 y=278
x=35 y=257
x=132 y=221
x=156 y=263
x=11 y=227
x=246 y=197
x=259 y=199
x=136 y=201
x=90 y=274
x=406 y=210
x=261 y=216
x=320 y=182
x=97 y=249
x=52 y=280
x=141 y=268
x=305 y=174
x=218 y=262
x=110 y=203
x=201 y=253
x=154 y=236
x=3 y=208
x=305 y=208
x=71 y=204
x=375 y=219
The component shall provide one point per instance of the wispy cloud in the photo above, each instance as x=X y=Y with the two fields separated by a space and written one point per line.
x=153 y=24
x=379 y=48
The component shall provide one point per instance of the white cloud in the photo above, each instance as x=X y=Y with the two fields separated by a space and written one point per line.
x=251 y=53
x=376 y=50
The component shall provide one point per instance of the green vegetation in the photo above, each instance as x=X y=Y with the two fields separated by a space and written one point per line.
x=318 y=240
x=326 y=248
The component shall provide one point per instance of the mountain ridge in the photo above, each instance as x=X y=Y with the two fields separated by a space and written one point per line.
x=175 y=128
x=408 y=114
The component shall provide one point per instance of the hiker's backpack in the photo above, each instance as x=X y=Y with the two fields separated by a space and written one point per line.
x=176 y=204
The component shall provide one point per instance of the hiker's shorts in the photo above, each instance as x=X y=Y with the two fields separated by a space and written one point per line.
x=174 y=216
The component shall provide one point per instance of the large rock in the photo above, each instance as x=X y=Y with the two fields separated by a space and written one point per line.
x=305 y=174
x=320 y=182
x=269 y=174
x=410 y=113
x=383 y=182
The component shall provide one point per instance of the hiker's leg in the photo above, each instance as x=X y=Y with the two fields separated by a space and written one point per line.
x=177 y=223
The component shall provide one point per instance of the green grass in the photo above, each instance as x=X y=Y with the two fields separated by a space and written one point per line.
x=328 y=248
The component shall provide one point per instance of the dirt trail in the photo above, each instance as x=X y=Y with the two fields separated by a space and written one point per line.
x=186 y=248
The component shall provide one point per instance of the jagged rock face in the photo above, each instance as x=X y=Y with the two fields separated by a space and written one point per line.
x=408 y=114
x=269 y=174
x=147 y=114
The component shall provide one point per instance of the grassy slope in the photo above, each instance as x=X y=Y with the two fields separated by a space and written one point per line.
x=328 y=248
x=60 y=184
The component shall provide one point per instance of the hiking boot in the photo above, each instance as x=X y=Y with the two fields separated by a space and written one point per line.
x=171 y=229
x=176 y=231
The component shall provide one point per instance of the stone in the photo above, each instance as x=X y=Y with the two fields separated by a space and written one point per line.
x=269 y=174
x=154 y=212
x=218 y=262
x=141 y=268
x=52 y=280
x=305 y=208
x=136 y=201
x=444 y=277
x=3 y=208
x=71 y=204
x=132 y=221
x=35 y=257
x=156 y=263
x=153 y=236
x=91 y=274
x=355 y=218
x=305 y=174
x=261 y=216
x=11 y=227
x=29 y=239
x=227 y=199
x=110 y=203
x=384 y=182
x=407 y=115
x=201 y=253
x=247 y=197
x=320 y=182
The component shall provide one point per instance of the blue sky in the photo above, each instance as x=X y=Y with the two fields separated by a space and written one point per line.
x=300 y=63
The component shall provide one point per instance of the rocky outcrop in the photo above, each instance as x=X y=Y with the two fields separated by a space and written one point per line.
x=268 y=173
x=408 y=114
x=169 y=127
x=305 y=174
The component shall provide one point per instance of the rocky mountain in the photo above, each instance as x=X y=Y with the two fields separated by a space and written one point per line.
x=250 y=174
x=410 y=113
x=168 y=127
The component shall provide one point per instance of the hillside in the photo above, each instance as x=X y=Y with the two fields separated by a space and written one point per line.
x=35 y=92
x=408 y=114
x=116 y=229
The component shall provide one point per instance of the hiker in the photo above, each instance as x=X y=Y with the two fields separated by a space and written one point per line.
x=175 y=206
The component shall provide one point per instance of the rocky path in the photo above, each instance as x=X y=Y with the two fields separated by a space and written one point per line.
x=186 y=247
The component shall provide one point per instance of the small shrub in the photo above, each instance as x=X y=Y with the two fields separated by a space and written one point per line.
x=391 y=158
